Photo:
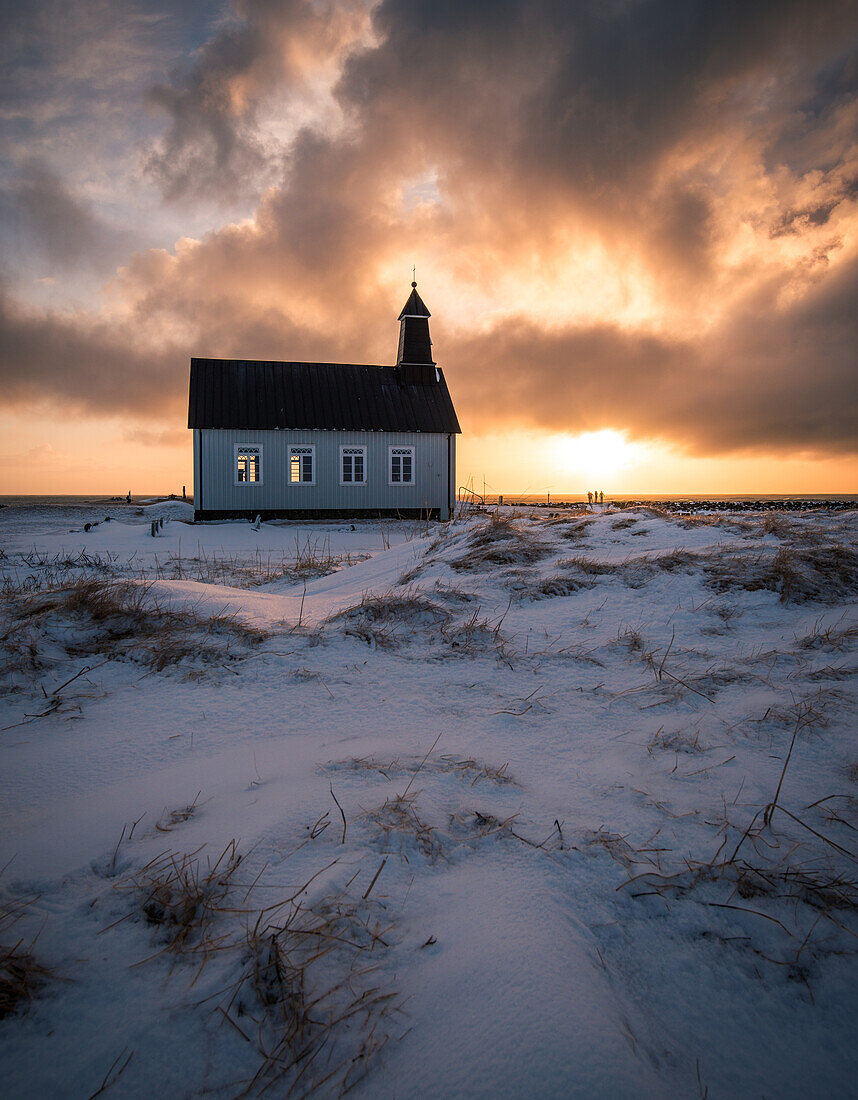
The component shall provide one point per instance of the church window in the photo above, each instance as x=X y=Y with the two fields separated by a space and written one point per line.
x=401 y=465
x=352 y=465
x=302 y=465
x=248 y=464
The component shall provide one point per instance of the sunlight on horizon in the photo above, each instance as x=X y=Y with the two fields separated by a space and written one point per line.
x=515 y=461
x=528 y=462
x=596 y=456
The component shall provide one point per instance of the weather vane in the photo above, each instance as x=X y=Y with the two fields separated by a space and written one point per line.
x=414 y=274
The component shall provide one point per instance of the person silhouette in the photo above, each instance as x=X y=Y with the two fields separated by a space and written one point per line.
x=589 y=497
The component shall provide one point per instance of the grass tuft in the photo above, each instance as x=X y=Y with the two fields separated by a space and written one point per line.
x=676 y=741
x=375 y=618
x=500 y=542
x=117 y=620
x=403 y=830
x=22 y=975
x=467 y=768
x=313 y=991
x=181 y=897
x=311 y=558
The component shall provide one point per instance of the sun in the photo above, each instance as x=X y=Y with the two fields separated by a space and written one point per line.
x=596 y=456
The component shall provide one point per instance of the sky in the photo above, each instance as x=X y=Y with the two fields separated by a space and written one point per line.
x=635 y=224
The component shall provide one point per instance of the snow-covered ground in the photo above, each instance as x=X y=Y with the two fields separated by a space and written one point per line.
x=561 y=805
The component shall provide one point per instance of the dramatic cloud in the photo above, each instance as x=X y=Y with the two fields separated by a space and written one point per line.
x=99 y=367
x=68 y=232
x=751 y=385
x=275 y=50
x=637 y=214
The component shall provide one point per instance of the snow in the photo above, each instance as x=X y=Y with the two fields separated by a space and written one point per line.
x=498 y=789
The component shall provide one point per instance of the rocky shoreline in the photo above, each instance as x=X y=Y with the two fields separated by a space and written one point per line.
x=691 y=507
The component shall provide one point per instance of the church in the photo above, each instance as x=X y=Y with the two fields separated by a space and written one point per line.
x=326 y=440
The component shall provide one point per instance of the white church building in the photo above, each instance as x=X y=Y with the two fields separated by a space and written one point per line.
x=326 y=440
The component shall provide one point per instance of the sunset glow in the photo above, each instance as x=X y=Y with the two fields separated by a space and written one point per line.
x=647 y=283
x=596 y=456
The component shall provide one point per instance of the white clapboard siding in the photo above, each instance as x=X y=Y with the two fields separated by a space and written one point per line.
x=216 y=491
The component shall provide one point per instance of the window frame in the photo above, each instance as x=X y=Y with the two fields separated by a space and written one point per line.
x=400 y=451
x=247 y=448
x=359 y=449
x=302 y=449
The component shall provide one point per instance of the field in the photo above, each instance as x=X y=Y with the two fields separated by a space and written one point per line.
x=545 y=804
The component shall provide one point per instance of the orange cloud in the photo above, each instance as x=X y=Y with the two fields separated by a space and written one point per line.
x=639 y=217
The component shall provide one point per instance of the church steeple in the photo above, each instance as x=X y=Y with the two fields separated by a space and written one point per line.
x=415 y=346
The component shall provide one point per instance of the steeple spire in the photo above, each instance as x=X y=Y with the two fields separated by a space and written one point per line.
x=415 y=346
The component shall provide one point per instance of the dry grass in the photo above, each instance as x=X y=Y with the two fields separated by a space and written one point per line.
x=823 y=574
x=466 y=768
x=686 y=741
x=814 y=884
x=571 y=531
x=808 y=713
x=590 y=567
x=787 y=876
x=312 y=990
x=644 y=511
x=634 y=571
x=308 y=996
x=572 y=575
x=776 y=524
x=169 y=819
x=675 y=561
x=833 y=673
x=834 y=638
x=452 y=594
x=375 y=619
x=500 y=542
x=34 y=571
x=403 y=830
x=478 y=636
x=731 y=523
x=808 y=905
x=116 y=620
x=388 y=619
x=617 y=846
x=552 y=587
x=22 y=975
x=412 y=607
x=470 y=826
x=409 y=576
x=633 y=640
x=181 y=896
x=311 y=558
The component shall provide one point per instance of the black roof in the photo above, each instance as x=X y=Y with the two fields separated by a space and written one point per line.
x=241 y=393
